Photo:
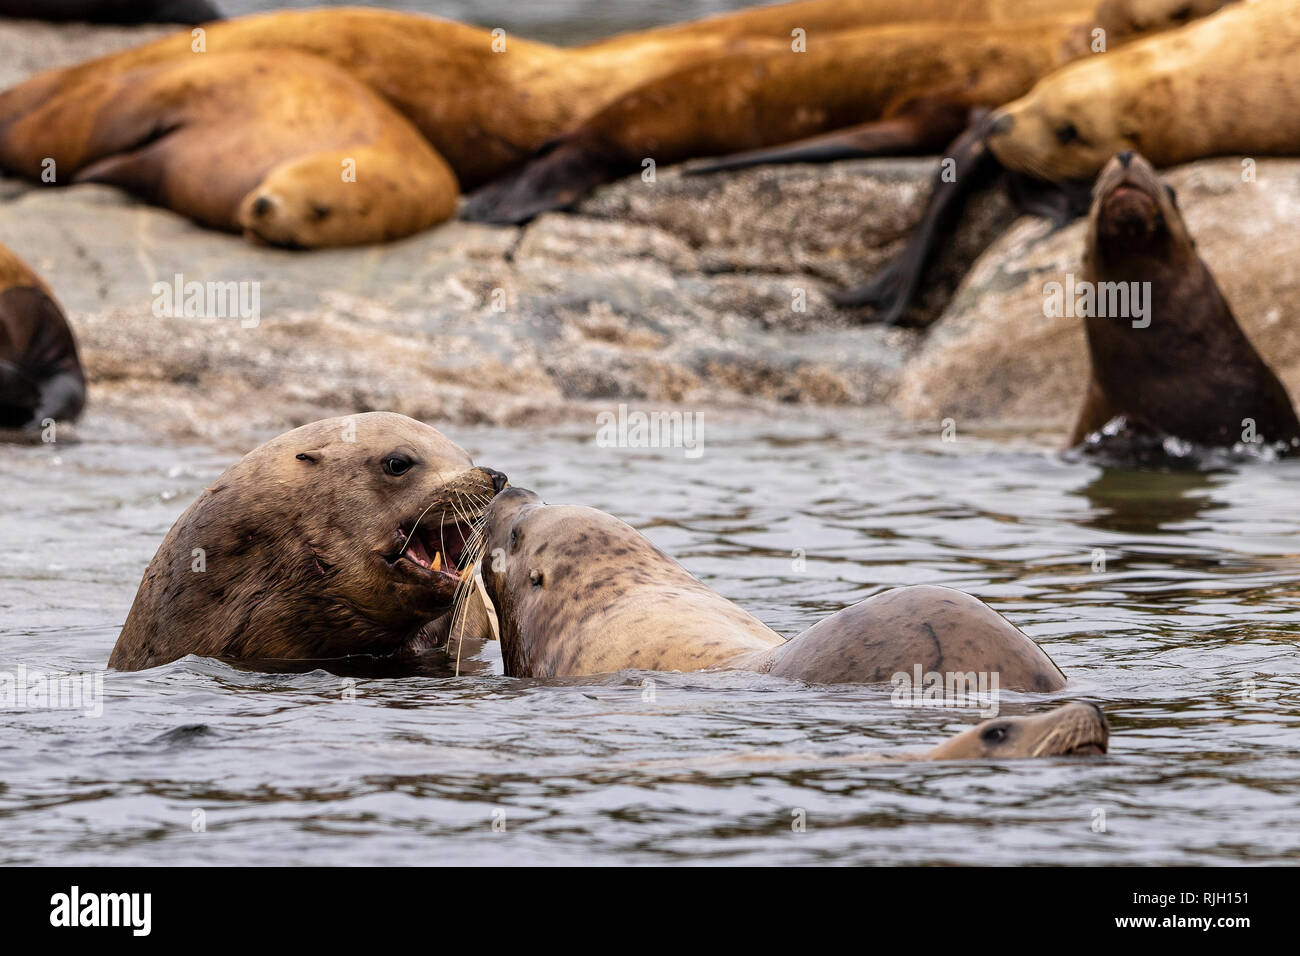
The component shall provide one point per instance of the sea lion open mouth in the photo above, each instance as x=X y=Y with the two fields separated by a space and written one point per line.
x=439 y=551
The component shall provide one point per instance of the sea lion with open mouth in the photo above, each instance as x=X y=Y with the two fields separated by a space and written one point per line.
x=41 y=378
x=349 y=536
x=579 y=592
x=1184 y=368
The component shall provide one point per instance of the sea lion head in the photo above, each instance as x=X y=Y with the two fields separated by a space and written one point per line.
x=1071 y=730
x=314 y=201
x=346 y=536
x=1134 y=214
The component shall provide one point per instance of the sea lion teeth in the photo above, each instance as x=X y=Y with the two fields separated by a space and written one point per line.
x=437 y=561
x=328 y=482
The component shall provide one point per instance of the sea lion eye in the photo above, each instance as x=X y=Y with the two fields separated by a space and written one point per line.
x=397 y=464
x=994 y=735
x=1067 y=134
x=1173 y=196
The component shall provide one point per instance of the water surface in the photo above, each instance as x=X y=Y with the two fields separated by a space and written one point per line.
x=1187 y=637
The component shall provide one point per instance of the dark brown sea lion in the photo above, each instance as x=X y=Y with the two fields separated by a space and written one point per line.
x=112 y=11
x=40 y=374
x=1183 y=367
x=346 y=537
x=577 y=591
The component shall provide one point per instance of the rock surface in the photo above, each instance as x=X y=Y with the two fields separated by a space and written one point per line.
x=684 y=292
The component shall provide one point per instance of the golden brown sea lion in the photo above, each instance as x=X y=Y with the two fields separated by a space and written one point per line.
x=342 y=538
x=283 y=147
x=40 y=373
x=1224 y=85
x=1175 y=361
x=577 y=591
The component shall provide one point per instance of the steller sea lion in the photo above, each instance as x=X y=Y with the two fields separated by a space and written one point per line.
x=346 y=537
x=578 y=592
x=283 y=147
x=112 y=11
x=1221 y=86
x=1184 y=368
x=1071 y=730
x=40 y=373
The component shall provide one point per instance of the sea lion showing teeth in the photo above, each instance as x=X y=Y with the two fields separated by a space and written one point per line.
x=349 y=536
x=41 y=378
x=1184 y=368
x=579 y=592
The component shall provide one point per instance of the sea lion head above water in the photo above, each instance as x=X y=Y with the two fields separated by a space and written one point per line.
x=1182 y=367
x=343 y=537
x=577 y=591
x=1071 y=730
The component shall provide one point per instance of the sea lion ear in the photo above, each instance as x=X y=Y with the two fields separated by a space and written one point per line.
x=311 y=457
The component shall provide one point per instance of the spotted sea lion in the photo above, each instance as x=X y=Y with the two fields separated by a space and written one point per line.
x=577 y=592
x=113 y=11
x=1221 y=86
x=346 y=537
x=40 y=372
x=1071 y=730
x=1184 y=367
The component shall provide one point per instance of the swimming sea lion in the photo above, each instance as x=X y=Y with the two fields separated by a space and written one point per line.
x=1221 y=86
x=112 y=11
x=284 y=147
x=345 y=537
x=1071 y=730
x=40 y=374
x=1184 y=367
x=577 y=591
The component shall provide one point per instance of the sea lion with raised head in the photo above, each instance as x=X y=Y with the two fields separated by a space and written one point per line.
x=41 y=378
x=343 y=538
x=1183 y=368
x=578 y=591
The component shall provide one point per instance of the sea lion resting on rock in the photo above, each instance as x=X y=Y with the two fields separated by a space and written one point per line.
x=283 y=147
x=484 y=103
x=40 y=374
x=1222 y=86
x=579 y=592
x=349 y=536
x=1184 y=368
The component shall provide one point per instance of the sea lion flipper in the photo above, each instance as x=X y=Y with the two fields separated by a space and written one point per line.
x=892 y=290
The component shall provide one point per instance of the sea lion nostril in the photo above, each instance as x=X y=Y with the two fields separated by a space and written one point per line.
x=1125 y=156
x=498 y=479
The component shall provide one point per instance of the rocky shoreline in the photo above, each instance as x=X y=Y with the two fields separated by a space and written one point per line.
x=680 y=293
